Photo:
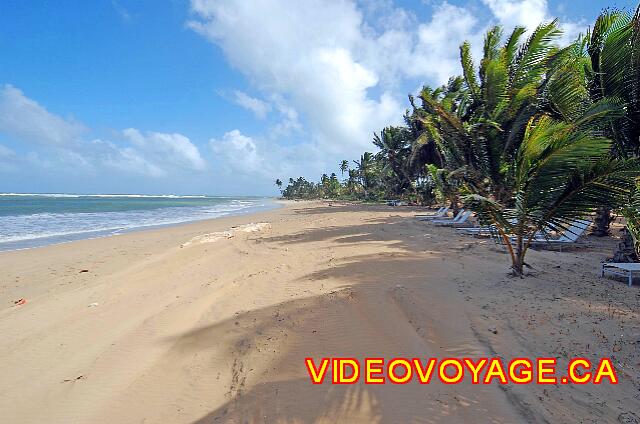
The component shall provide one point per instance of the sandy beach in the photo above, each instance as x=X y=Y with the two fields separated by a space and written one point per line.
x=210 y=322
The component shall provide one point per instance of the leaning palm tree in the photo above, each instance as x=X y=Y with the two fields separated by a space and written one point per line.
x=478 y=130
x=606 y=64
x=562 y=171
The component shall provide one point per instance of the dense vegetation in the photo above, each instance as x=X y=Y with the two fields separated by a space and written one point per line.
x=532 y=138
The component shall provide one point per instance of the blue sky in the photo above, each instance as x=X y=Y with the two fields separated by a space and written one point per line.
x=222 y=97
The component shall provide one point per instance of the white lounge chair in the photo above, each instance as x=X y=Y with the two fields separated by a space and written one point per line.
x=461 y=220
x=623 y=269
x=568 y=236
x=486 y=230
x=454 y=219
x=447 y=219
x=478 y=231
x=441 y=213
x=431 y=214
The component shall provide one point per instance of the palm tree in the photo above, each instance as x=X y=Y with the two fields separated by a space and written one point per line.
x=607 y=63
x=395 y=147
x=446 y=185
x=614 y=54
x=344 y=166
x=562 y=171
x=364 y=167
x=279 y=184
x=478 y=122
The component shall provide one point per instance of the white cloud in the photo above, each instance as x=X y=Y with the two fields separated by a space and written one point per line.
x=311 y=55
x=289 y=119
x=61 y=145
x=239 y=151
x=126 y=159
x=259 y=107
x=437 y=53
x=25 y=119
x=530 y=13
x=167 y=148
x=527 y=13
x=247 y=156
x=325 y=64
x=338 y=67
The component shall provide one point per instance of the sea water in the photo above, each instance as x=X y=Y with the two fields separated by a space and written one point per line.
x=32 y=220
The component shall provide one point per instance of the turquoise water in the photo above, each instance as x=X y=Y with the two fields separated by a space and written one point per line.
x=32 y=220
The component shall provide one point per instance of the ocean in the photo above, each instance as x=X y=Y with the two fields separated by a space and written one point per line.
x=33 y=220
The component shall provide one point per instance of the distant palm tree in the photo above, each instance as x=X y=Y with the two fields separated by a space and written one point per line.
x=279 y=184
x=344 y=166
x=364 y=167
x=395 y=147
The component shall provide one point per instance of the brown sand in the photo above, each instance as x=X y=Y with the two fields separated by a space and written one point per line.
x=193 y=324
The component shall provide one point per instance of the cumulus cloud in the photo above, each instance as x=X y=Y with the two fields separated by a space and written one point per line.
x=173 y=147
x=24 y=118
x=313 y=61
x=289 y=120
x=239 y=151
x=259 y=107
x=437 y=50
x=259 y=156
x=339 y=66
x=126 y=159
x=529 y=14
x=62 y=143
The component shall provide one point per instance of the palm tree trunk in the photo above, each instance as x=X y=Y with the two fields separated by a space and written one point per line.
x=602 y=223
x=454 y=206
x=518 y=258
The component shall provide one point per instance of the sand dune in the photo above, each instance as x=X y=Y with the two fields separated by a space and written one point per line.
x=210 y=322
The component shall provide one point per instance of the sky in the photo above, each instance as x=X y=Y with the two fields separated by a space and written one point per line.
x=222 y=97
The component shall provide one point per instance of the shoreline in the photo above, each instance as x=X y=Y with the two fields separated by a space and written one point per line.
x=39 y=242
x=145 y=327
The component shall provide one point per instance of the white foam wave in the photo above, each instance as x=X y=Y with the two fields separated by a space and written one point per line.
x=67 y=225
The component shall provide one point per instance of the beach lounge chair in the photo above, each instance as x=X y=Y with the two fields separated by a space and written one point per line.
x=623 y=269
x=568 y=236
x=478 y=231
x=487 y=230
x=454 y=219
x=440 y=209
x=439 y=214
x=463 y=218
